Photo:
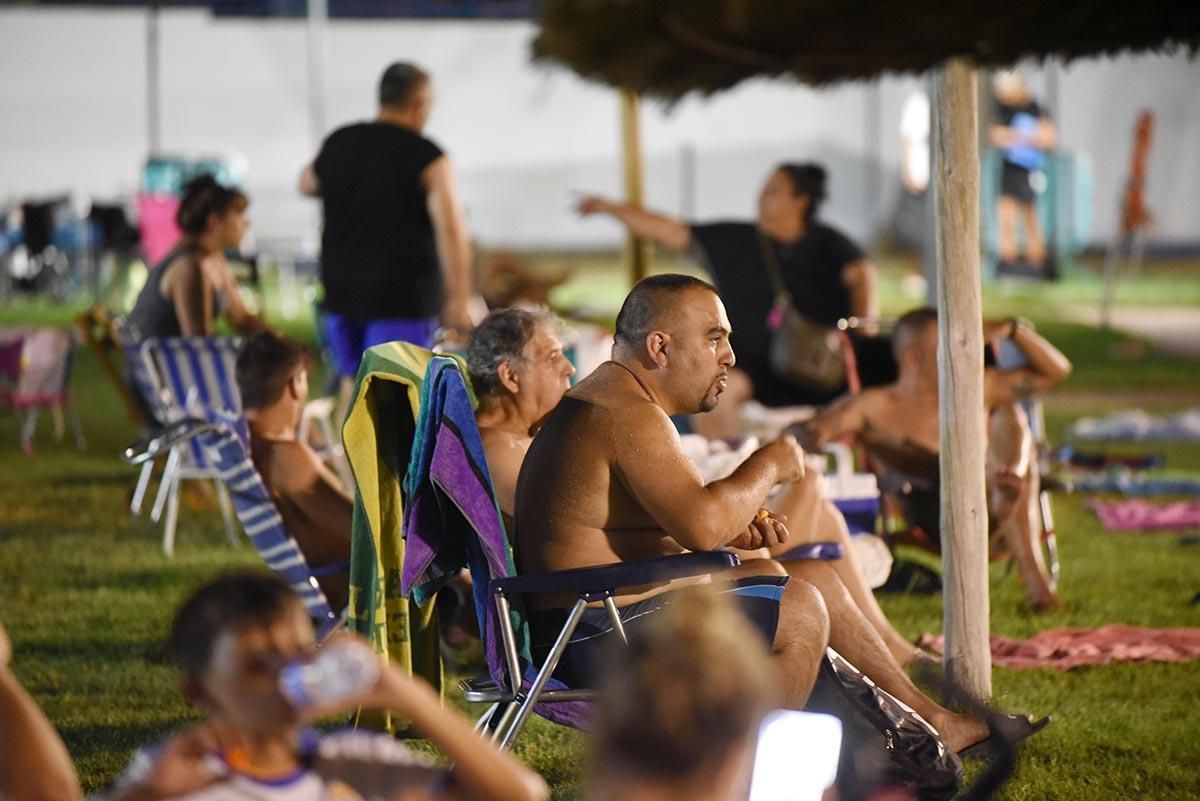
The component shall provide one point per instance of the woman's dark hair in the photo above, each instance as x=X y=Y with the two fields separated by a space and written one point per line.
x=501 y=337
x=807 y=179
x=202 y=197
x=230 y=602
x=400 y=81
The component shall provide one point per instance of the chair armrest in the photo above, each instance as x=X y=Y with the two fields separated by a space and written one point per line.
x=163 y=439
x=604 y=579
x=826 y=551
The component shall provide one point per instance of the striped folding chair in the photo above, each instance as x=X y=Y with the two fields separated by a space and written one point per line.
x=143 y=389
x=227 y=447
x=184 y=377
x=224 y=438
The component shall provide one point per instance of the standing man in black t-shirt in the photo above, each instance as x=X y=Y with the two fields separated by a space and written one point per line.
x=395 y=253
x=1023 y=132
x=828 y=276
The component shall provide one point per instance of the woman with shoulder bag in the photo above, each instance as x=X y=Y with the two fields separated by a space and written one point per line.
x=786 y=279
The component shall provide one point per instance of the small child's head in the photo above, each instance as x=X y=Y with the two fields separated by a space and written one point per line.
x=680 y=707
x=272 y=368
x=230 y=639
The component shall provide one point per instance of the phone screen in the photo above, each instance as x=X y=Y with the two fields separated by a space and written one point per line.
x=797 y=756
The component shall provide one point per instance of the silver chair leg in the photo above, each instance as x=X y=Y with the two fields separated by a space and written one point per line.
x=543 y=676
x=614 y=617
x=77 y=428
x=1049 y=538
x=505 y=722
x=165 y=483
x=139 y=491
x=486 y=718
x=28 y=429
x=226 y=511
x=172 y=516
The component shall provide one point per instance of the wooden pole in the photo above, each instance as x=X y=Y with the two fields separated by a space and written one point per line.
x=964 y=522
x=638 y=254
x=153 y=80
x=316 y=39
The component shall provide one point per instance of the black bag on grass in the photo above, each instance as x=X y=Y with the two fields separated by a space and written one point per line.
x=884 y=742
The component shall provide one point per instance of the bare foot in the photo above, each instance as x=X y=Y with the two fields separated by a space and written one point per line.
x=960 y=731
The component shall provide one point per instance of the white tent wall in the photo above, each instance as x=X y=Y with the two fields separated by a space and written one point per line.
x=72 y=94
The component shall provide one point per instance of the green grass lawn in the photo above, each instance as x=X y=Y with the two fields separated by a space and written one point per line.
x=87 y=594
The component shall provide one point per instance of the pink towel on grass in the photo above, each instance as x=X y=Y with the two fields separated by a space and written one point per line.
x=1139 y=515
x=1064 y=649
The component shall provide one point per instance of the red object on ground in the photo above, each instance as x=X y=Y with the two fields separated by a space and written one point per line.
x=1138 y=515
x=1065 y=649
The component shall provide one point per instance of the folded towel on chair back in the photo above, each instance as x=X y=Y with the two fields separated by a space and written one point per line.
x=379 y=434
x=453 y=521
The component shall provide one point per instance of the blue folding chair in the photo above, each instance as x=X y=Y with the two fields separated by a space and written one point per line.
x=181 y=378
x=452 y=520
x=224 y=438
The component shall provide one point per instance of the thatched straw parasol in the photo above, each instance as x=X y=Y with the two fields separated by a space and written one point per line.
x=668 y=48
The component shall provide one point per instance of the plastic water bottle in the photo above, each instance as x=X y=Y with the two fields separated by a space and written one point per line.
x=339 y=671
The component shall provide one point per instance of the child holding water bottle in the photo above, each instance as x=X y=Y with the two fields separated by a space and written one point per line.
x=249 y=663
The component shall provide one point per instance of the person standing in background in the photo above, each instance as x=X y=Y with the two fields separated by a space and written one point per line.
x=915 y=221
x=395 y=253
x=1023 y=132
x=828 y=276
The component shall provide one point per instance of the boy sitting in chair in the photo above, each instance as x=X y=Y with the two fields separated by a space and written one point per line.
x=272 y=375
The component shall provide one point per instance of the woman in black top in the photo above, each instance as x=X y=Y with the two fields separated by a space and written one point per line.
x=193 y=285
x=827 y=275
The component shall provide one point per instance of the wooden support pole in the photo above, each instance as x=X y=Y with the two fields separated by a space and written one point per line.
x=153 y=79
x=638 y=253
x=964 y=520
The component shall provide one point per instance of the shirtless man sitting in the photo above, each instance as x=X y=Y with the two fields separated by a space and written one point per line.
x=606 y=480
x=519 y=373
x=898 y=424
x=272 y=375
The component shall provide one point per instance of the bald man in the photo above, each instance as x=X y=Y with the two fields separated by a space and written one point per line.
x=606 y=480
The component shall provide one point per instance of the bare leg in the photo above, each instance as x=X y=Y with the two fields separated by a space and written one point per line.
x=811 y=518
x=1035 y=244
x=722 y=422
x=801 y=636
x=1007 y=210
x=851 y=635
x=1013 y=483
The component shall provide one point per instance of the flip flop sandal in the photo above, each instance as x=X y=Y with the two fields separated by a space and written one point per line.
x=1014 y=729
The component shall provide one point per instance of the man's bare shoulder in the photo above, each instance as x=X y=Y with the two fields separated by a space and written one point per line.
x=613 y=389
x=877 y=398
x=499 y=444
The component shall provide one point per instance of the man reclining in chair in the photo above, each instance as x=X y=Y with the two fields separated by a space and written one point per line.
x=606 y=480
x=272 y=376
x=898 y=424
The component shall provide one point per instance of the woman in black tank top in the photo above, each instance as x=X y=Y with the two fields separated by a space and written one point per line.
x=192 y=286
